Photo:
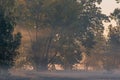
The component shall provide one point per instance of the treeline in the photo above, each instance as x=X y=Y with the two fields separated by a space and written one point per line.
x=74 y=28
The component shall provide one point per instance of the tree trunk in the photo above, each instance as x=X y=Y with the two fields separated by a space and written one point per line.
x=41 y=67
x=68 y=67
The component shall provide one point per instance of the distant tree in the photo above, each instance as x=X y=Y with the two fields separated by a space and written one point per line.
x=93 y=17
x=114 y=34
x=9 y=42
x=91 y=30
x=97 y=53
x=112 y=57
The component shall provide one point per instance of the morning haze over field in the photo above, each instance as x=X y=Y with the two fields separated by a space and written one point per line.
x=59 y=39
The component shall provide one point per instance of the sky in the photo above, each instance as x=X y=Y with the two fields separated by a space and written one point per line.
x=108 y=6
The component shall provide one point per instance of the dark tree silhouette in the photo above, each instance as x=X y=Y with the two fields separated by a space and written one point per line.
x=9 y=42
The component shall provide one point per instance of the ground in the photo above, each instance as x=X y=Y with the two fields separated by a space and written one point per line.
x=60 y=75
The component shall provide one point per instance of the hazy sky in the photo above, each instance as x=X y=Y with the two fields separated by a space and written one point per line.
x=109 y=6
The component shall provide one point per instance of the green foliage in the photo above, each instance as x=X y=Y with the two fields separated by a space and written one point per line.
x=9 y=42
x=30 y=13
x=114 y=37
x=8 y=5
x=114 y=34
x=116 y=16
x=112 y=61
x=57 y=14
x=70 y=19
x=90 y=22
x=69 y=50
x=61 y=12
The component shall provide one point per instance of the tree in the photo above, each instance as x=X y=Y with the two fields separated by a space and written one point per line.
x=93 y=17
x=91 y=31
x=97 y=54
x=64 y=14
x=112 y=62
x=9 y=42
x=114 y=37
x=82 y=22
x=68 y=21
x=69 y=51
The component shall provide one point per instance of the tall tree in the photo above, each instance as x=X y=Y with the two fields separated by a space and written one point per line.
x=68 y=21
x=112 y=62
x=114 y=36
x=56 y=16
x=9 y=42
x=91 y=30
x=82 y=21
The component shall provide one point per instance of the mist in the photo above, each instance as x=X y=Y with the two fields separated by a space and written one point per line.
x=60 y=75
x=59 y=40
